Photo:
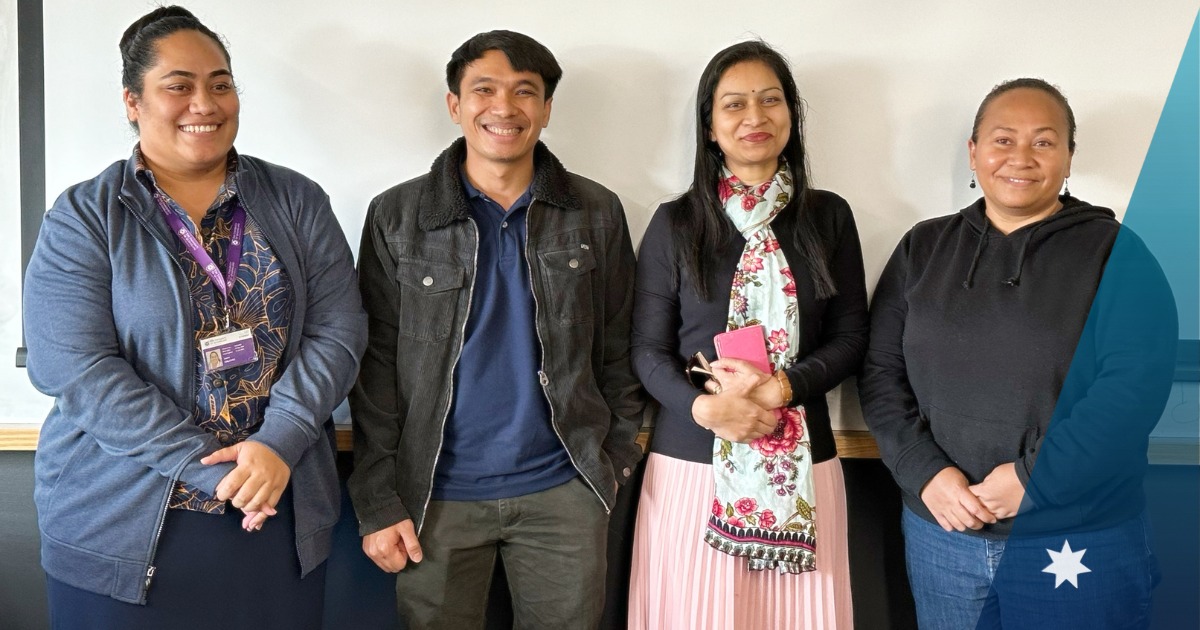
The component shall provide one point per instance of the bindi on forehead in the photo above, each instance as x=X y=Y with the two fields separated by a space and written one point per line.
x=752 y=91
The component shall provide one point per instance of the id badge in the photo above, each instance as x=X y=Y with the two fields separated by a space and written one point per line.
x=232 y=349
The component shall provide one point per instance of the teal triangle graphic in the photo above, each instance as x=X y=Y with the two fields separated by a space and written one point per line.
x=1165 y=212
x=1165 y=207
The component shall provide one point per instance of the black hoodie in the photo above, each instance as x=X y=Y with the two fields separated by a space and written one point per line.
x=972 y=335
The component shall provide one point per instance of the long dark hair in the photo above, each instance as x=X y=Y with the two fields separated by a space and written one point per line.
x=702 y=231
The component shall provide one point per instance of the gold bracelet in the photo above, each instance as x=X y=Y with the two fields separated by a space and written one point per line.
x=785 y=387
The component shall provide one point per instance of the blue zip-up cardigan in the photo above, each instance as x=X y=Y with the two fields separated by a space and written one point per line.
x=108 y=322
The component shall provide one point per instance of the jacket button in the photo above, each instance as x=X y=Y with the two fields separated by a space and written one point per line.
x=427 y=281
x=574 y=263
x=626 y=471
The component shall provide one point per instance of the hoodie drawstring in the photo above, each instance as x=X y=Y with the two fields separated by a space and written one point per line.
x=978 y=253
x=1072 y=213
x=1015 y=280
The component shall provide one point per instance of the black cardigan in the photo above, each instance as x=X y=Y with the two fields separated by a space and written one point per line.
x=670 y=323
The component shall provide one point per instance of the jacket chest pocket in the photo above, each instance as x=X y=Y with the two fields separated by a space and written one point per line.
x=428 y=298
x=568 y=280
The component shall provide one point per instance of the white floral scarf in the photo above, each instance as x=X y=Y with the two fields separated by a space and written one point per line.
x=764 y=507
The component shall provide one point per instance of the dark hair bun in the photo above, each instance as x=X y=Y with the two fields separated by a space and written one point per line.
x=161 y=13
x=137 y=43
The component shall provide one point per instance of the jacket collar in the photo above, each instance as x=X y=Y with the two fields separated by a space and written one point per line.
x=443 y=199
x=140 y=200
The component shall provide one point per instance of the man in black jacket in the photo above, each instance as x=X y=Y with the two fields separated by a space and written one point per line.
x=496 y=409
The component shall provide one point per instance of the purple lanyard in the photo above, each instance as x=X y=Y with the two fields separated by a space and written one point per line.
x=233 y=257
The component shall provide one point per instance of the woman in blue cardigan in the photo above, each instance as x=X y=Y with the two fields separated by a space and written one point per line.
x=193 y=313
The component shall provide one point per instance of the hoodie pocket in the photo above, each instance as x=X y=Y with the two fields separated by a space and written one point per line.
x=428 y=298
x=977 y=445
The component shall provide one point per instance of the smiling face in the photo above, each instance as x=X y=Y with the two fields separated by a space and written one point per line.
x=1021 y=155
x=187 y=113
x=501 y=111
x=750 y=120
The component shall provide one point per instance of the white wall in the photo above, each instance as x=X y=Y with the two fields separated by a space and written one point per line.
x=352 y=94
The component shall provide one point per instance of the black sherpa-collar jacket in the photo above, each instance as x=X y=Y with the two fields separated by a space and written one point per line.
x=988 y=348
x=417 y=271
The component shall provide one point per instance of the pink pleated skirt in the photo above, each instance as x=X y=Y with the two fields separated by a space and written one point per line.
x=680 y=582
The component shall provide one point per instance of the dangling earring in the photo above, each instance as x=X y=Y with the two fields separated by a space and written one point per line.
x=972 y=184
x=1067 y=186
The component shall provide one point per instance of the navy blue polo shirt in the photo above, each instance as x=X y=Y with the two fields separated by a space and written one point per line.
x=498 y=439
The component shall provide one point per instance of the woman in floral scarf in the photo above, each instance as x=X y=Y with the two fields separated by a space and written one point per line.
x=742 y=519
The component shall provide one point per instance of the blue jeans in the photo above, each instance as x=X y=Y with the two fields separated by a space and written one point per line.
x=963 y=582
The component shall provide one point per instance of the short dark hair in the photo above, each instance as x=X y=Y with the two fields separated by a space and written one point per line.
x=699 y=221
x=1032 y=84
x=137 y=45
x=525 y=54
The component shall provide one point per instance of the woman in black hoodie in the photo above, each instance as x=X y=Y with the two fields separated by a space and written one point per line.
x=994 y=342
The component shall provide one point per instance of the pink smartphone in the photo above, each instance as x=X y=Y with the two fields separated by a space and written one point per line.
x=747 y=344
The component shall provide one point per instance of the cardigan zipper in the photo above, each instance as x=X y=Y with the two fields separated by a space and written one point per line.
x=162 y=514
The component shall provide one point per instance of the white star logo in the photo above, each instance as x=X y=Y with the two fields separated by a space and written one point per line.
x=1066 y=565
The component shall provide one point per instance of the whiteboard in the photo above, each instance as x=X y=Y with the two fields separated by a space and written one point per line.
x=352 y=94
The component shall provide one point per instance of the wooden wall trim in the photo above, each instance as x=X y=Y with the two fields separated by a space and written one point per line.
x=19 y=437
x=850 y=444
x=854 y=444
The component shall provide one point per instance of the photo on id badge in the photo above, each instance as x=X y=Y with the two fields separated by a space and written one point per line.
x=229 y=350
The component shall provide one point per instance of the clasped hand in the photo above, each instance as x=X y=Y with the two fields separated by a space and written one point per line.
x=958 y=505
x=740 y=402
x=255 y=484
